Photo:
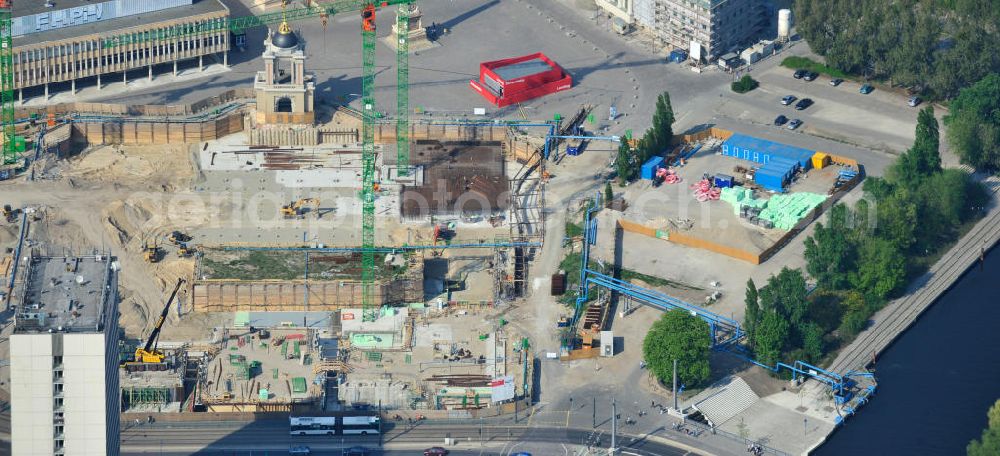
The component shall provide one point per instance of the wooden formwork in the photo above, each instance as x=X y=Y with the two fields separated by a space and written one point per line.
x=150 y=133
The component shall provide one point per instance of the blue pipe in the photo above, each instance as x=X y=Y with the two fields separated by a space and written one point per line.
x=600 y=138
x=387 y=249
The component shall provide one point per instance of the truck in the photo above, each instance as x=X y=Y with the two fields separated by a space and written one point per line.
x=574 y=146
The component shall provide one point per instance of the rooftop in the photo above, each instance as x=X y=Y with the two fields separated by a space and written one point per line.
x=64 y=294
x=522 y=69
x=27 y=8
x=108 y=27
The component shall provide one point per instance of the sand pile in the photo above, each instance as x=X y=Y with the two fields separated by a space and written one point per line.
x=160 y=167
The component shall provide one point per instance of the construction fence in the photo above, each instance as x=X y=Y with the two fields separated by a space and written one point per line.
x=141 y=133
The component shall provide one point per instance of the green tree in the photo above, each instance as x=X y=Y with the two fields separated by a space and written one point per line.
x=812 y=341
x=973 y=124
x=897 y=219
x=657 y=138
x=623 y=163
x=881 y=268
x=923 y=159
x=830 y=251
x=609 y=193
x=681 y=336
x=989 y=443
x=785 y=294
x=770 y=338
x=744 y=84
x=927 y=142
x=752 y=315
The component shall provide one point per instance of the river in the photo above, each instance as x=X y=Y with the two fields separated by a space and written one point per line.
x=937 y=381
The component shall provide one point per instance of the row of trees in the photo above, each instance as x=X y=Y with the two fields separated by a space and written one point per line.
x=863 y=255
x=654 y=142
x=989 y=443
x=873 y=248
x=939 y=45
x=973 y=124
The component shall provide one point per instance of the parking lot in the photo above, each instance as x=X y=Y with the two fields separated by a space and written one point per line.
x=880 y=120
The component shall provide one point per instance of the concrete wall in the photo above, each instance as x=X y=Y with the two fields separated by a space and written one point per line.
x=31 y=394
x=277 y=296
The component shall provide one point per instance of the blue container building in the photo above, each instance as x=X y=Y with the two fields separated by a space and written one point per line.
x=648 y=170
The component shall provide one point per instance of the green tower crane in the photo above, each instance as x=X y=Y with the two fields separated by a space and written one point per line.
x=10 y=141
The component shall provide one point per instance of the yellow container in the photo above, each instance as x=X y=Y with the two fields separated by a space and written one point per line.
x=820 y=159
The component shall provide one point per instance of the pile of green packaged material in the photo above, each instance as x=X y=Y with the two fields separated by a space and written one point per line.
x=740 y=196
x=783 y=210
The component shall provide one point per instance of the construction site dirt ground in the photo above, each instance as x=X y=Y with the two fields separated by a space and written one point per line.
x=275 y=373
x=674 y=208
x=440 y=335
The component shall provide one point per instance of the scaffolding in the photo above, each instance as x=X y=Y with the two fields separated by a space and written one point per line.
x=145 y=395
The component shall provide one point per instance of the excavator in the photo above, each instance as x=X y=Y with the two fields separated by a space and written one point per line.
x=297 y=209
x=150 y=252
x=148 y=354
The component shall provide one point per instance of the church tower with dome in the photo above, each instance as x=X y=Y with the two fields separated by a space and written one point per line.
x=283 y=91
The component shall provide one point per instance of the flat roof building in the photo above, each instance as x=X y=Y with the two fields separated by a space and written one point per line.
x=75 y=39
x=718 y=26
x=64 y=358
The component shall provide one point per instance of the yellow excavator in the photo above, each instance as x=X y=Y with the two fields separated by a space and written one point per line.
x=297 y=209
x=151 y=252
x=185 y=250
x=148 y=354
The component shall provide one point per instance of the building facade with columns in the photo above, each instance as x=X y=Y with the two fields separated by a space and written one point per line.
x=60 y=44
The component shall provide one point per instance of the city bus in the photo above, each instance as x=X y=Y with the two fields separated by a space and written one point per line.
x=363 y=425
x=313 y=425
x=335 y=425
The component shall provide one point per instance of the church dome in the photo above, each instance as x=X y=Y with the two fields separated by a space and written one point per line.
x=285 y=38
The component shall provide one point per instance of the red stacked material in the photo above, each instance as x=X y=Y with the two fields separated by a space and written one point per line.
x=668 y=175
x=703 y=191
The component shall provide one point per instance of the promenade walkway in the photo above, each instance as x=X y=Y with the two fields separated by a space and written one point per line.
x=899 y=314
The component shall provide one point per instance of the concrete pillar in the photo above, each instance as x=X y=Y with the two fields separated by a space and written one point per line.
x=225 y=59
x=46 y=91
x=72 y=85
x=125 y=78
x=151 y=72
x=201 y=64
x=98 y=81
x=175 y=68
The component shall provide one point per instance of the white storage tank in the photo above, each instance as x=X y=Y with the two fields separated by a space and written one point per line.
x=784 y=23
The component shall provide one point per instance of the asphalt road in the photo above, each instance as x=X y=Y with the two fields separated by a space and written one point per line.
x=223 y=438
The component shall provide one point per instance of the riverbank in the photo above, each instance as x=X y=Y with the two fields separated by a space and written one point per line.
x=900 y=314
x=940 y=376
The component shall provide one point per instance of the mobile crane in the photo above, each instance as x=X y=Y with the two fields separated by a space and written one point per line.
x=148 y=354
